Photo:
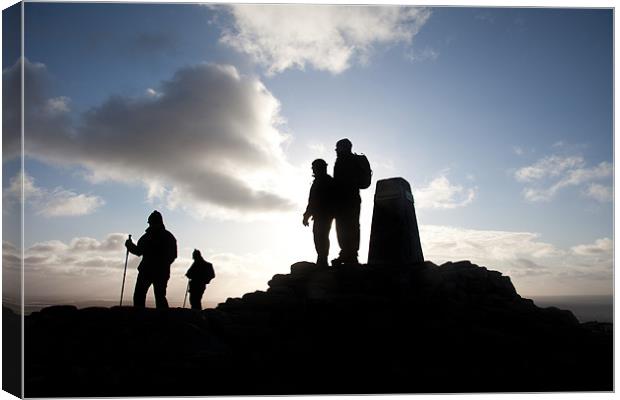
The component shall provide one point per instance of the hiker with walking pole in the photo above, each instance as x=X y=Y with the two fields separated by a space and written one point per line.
x=199 y=274
x=124 y=274
x=158 y=249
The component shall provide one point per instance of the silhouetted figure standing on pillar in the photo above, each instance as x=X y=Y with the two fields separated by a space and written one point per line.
x=199 y=274
x=321 y=209
x=158 y=249
x=351 y=173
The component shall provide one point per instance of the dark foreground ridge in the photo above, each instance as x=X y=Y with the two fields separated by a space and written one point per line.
x=365 y=329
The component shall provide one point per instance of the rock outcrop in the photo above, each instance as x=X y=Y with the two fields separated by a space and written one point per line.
x=419 y=328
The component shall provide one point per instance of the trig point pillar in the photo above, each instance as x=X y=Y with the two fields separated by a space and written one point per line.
x=394 y=235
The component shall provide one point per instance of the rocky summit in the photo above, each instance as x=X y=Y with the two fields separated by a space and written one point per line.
x=419 y=328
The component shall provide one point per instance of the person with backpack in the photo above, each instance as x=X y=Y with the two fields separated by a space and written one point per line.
x=158 y=249
x=321 y=209
x=200 y=273
x=351 y=173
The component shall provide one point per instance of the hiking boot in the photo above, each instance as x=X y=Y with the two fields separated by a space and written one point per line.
x=345 y=261
x=322 y=262
x=336 y=262
x=353 y=261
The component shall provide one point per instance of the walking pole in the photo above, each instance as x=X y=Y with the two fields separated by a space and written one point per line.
x=186 y=290
x=124 y=273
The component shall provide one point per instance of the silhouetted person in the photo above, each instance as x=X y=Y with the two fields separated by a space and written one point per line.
x=321 y=209
x=158 y=249
x=199 y=274
x=351 y=172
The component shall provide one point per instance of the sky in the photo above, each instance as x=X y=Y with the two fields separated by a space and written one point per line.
x=500 y=118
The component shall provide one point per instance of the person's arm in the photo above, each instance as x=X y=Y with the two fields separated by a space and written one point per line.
x=190 y=272
x=135 y=249
x=311 y=204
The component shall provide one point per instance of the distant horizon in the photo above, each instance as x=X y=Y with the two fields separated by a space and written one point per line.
x=501 y=119
x=585 y=307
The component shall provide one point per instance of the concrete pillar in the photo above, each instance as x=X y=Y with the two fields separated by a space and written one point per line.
x=394 y=235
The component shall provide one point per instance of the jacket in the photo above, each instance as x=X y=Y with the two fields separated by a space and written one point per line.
x=158 y=249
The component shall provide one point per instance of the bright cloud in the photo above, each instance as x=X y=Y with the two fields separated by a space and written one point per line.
x=87 y=269
x=550 y=166
x=328 y=38
x=448 y=243
x=57 y=202
x=207 y=140
x=535 y=266
x=91 y=269
x=441 y=194
x=550 y=174
x=599 y=247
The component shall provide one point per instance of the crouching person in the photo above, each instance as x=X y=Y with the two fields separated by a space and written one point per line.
x=199 y=274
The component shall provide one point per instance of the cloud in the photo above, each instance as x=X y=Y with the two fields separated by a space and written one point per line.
x=559 y=143
x=57 y=105
x=599 y=192
x=441 y=194
x=86 y=269
x=83 y=268
x=553 y=173
x=57 y=202
x=207 y=140
x=599 y=247
x=11 y=256
x=536 y=267
x=64 y=203
x=428 y=54
x=550 y=166
x=152 y=92
x=327 y=38
x=449 y=243
x=80 y=256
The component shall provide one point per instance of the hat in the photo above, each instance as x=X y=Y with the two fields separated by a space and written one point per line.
x=155 y=218
x=344 y=144
x=319 y=162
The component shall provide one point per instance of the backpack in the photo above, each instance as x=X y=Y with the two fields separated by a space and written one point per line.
x=364 y=173
x=210 y=273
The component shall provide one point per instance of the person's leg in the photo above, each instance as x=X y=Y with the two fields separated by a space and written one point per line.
x=159 y=287
x=195 y=297
x=355 y=231
x=320 y=229
x=341 y=231
x=139 y=293
x=349 y=237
